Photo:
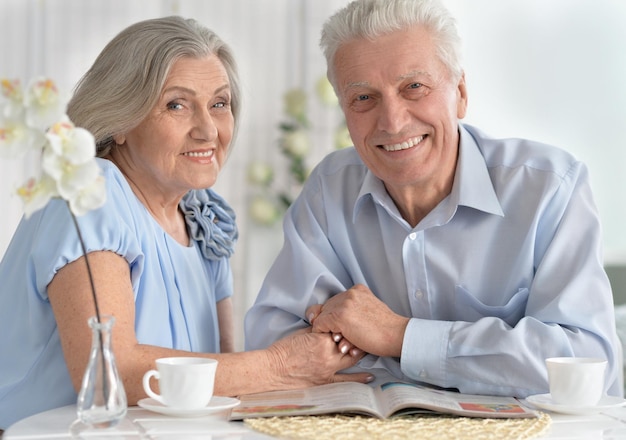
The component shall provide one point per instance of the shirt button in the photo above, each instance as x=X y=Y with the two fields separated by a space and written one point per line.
x=419 y=294
x=412 y=236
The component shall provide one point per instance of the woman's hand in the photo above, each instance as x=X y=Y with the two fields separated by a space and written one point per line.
x=305 y=359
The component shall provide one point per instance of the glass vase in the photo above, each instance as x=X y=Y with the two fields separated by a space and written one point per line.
x=102 y=399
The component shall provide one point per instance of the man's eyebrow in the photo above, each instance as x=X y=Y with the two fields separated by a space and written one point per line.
x=357 y=84
x=413 y=74
x=409 y=75
x=220 y=89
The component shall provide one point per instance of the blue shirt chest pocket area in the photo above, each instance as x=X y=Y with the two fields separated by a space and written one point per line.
x=470 y=309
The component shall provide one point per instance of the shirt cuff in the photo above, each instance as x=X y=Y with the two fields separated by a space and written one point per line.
x=424 y=350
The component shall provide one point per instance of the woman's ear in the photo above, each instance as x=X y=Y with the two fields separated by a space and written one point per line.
x=119 y=139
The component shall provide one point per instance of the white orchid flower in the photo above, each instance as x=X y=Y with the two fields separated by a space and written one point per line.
x=17 y=138
x=71 y=177
x=75 y=144
x=69 y=159
x=44 y=106
x=89 y=197
x=297 y=143
x=12 y=99
x=37 y=193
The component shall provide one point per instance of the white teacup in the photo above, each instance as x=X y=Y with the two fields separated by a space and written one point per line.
x=576 y=381
x=185 y=382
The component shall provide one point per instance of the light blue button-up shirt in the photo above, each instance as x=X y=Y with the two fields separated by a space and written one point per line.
x=505 y=272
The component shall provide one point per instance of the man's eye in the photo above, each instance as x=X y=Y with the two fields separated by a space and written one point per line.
x=415 y=86
x=221 y=103
x=363 y=97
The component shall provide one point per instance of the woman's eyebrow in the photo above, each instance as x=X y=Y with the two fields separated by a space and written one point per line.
x=191 y=91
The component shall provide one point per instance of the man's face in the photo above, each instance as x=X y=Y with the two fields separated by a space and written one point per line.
x=402 y=108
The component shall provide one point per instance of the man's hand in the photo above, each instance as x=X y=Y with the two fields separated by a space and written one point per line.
x=358 y=319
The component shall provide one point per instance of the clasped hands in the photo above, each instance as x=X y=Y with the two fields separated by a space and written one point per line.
x=360 y=323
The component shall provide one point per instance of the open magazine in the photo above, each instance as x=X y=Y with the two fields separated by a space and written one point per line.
x=386 y=400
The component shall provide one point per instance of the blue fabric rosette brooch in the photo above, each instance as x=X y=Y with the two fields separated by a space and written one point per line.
x=211 y=223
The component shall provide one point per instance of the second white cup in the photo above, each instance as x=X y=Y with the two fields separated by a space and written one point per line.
x=576 y=381
x=185 y=382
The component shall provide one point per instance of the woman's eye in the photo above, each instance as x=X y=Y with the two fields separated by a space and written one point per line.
x=174 y=105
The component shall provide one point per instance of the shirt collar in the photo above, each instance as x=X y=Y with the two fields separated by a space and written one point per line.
x=374 y=189
x=472 y=185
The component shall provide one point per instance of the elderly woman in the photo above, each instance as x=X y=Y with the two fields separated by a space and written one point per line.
x=162 y=101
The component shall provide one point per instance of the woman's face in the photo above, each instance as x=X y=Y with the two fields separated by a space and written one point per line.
x=183 y=142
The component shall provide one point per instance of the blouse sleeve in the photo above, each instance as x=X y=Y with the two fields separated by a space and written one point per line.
x=108 y=228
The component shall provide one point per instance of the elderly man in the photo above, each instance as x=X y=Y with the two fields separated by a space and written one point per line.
x=450 y=257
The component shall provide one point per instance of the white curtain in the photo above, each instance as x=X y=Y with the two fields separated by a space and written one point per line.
x=550 y=70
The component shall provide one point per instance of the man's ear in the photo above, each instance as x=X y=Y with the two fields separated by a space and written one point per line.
x=461 y=101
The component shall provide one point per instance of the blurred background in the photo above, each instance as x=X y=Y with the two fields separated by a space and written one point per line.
x=549 y=70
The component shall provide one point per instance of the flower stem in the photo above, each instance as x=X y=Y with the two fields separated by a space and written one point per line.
x=105 y=382
x=82 y=245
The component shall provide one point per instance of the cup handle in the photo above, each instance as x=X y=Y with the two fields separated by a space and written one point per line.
x=146 y=385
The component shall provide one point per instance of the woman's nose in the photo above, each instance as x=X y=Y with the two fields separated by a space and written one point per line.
x=204 y=127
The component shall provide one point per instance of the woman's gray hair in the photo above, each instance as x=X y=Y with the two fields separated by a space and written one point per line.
x=126 y=80
x=369 y=19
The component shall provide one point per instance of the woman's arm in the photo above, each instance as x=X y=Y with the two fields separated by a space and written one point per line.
x=227 y=328
x=295 y=362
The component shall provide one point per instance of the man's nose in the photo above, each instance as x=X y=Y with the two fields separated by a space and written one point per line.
x=393 y=114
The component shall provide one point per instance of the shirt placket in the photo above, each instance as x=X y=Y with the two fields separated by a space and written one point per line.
x=414 y=262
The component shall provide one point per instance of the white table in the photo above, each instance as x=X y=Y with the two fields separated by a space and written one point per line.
x=138 y=424
x=143 y=424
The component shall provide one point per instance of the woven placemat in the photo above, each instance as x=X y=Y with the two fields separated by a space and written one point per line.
x=342 y=427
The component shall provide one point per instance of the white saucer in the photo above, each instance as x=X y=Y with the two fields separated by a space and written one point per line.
x=544 y=401
x=216 y=404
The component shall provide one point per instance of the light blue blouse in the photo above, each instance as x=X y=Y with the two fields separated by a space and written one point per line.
x=505 y=272
x=176 y=287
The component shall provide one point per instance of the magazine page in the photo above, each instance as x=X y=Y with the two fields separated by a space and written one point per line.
x=397 y=398
x=343 y=397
